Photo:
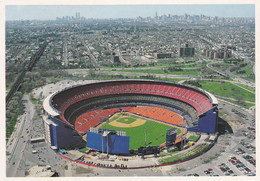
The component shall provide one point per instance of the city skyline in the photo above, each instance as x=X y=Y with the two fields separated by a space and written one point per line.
x=50 y=12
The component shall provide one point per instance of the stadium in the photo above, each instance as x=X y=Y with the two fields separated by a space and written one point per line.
x=126 y=117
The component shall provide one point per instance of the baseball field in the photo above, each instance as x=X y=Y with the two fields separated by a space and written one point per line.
x=139 y=128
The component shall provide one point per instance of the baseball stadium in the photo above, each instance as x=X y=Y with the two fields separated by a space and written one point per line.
x=127 y=117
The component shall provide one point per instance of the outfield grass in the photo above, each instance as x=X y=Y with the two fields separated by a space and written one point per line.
x=155 y=132
x=114 y=118
x=227 y=89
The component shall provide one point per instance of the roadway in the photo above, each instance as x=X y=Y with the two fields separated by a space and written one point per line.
x=20 y=139
x=121 y=59
x=229 y=74
x=107 y=72
x=65 y=53
x=93 y=59
x=21 y=157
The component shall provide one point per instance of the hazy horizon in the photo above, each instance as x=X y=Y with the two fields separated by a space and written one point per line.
x=50 y=12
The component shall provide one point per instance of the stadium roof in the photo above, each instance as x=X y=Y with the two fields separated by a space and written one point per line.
x=48 y=107
x=213 y=98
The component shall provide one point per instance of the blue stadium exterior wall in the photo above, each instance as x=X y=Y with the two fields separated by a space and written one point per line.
x=62 y=135
x=207 y=122
x=116 y=144
x=54 y=136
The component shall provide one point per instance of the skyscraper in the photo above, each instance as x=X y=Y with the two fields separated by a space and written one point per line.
x=77 y=15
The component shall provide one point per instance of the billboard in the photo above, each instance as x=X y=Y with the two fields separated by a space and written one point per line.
x=110 y=143
x=171 y=136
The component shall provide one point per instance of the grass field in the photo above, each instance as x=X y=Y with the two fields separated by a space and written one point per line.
x=155 y=131
x=226 y=89
x=244 y=86
x=192 y=137
x=84 y=149
x=161 y=71
x=197 y=149
x=243 y=104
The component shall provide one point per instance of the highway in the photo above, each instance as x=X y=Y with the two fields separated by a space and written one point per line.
x=106 y=72
x=121 y=59
x=229 y=74
x=20 y=138
x=65 y=53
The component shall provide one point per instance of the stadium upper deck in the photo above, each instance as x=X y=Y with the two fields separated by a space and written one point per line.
x=57 y=103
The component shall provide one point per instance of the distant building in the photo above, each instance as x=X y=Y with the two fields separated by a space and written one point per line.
x=162 y=55
x=222 y=53
x=186 y=51
x=115 y=59
x=148 y=56
x=77 y=15
x=211 y=54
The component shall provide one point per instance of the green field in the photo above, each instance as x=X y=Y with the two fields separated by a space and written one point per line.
x=221 y=113
x=161 y=71
x=155 y=131
x=197 y=149
x=192 y=137
x=249 y=70
x=84 y=149
x=246 y=87
x=241 y=103
x=226 y=89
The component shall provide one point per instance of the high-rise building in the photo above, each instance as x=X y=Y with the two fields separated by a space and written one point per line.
x=222 y=53
x=115 y=59
x=77 y=15
x=186 y=51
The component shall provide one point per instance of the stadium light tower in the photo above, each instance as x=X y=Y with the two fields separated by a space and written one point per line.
x=145 y=136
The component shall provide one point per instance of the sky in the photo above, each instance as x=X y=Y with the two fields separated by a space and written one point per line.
x=43 y=12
